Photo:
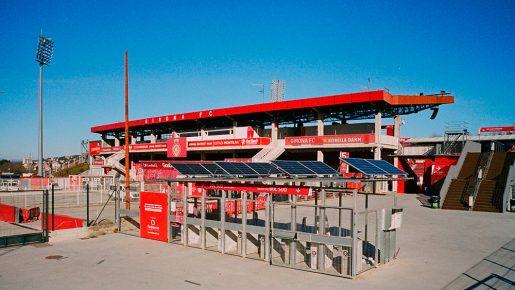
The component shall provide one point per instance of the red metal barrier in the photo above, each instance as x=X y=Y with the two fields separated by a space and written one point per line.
x=7 y=213
x=61 y=222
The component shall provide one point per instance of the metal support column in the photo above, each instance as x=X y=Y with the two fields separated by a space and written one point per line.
x=45 y=198
x=53 y=207
x=244 y=224
x=293 y=228
x=354 y=229
x=87 y=204
x=169 y=210
x=185 y=214
x=268 y=228
x=222 y=222
x=321 y=247
x=117 y=205
x=203 y=220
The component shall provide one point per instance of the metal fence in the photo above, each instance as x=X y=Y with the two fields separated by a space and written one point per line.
x=310 y=235
x=23 y=217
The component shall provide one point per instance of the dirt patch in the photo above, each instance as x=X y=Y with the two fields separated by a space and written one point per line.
x=108 y=227
x=101 y=228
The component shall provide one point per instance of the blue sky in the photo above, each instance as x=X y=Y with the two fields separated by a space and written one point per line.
x=193 y=55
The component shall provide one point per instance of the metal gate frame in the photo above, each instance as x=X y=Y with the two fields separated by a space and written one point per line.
x=42 y=236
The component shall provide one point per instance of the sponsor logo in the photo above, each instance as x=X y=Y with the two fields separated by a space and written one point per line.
x=153 y=207
x=149 y=165
x=167 y=165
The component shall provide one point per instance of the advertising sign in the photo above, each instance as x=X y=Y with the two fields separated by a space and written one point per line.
x=330 y=139
x=281 y=189
x=344 y=167
x=153 y=216
x=176 y=147
x=136 y=147
x=153 y=170
x=497 y=129
x=229 y=142
x=94 y=148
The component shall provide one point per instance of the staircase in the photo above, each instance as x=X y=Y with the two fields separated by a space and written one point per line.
x=453 y=198
x=489 y=195
x=484 y=199
x=113 y=162
x=271 y=152
x=457 y=195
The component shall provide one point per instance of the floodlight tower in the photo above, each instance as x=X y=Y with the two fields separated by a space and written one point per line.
x=44 y=57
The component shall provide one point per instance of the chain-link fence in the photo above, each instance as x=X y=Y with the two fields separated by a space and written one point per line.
x=23 y=217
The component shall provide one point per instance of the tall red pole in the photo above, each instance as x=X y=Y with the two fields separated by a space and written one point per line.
x=127 y=137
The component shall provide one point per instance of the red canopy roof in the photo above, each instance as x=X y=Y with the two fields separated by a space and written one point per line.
x=395 y=104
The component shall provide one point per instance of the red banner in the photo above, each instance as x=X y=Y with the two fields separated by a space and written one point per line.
x=176 y=147
x=153 y=216
x=282 y=189
x=344 y=167
x=94 y=148
x=229 y=142
x=153 y=170
x=497 y=129
x=136 y=147
x=330 y=139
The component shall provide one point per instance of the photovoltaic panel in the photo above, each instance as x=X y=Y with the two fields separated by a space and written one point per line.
x=191 y=169
x=293 y=168
x=237 y=168
x=214 y=169
x=373 y=167
x=264 y=168
x=386 y=166
x=318 y=167
x=364 y=166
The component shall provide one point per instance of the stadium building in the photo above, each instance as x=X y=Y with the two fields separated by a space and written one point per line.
x=362 y=125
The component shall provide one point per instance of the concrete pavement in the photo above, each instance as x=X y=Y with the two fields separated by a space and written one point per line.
x=436 y=247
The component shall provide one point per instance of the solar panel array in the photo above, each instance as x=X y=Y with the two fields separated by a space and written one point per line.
x=373 y=167
x=237 y=168
x=304 y=168
x=254 y=169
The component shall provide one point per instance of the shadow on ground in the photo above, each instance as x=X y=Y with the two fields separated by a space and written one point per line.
x=497 y=271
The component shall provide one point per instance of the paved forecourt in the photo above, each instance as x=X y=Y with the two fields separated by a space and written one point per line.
x=436 y=247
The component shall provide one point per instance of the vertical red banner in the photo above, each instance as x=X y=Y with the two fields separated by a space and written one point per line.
x=344 y=168
x=94 y=148
x=176 y=147
x=153 y=219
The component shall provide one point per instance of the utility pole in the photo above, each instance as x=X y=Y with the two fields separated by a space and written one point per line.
x=127 y=137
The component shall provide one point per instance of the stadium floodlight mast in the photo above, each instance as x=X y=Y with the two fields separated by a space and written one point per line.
x=44 y=57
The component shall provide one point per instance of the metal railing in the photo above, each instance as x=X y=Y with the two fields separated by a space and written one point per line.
x=319 y=237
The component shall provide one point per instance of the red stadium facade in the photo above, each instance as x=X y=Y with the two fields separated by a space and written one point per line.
x=320 y=128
